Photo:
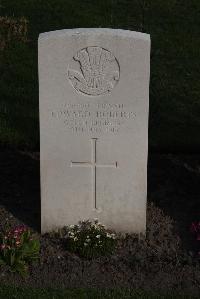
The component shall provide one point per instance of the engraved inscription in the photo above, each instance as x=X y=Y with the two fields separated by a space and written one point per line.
x=94 y=118
x=93 y=164
x=99 y=71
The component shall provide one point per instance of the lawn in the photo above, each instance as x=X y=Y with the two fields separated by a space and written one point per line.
x=7 y=292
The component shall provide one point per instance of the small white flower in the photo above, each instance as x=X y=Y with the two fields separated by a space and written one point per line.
x=87 y=240
x=113 y=236
x=58 y=257
x=85 y=244
x=108 y=235
x=70 y=234
x=75 y=239
x=71 y=226
x=98 y=236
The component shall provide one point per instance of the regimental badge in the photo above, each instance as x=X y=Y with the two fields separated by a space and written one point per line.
x=99 y=71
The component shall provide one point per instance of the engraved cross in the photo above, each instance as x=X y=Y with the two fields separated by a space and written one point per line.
x=93 y=164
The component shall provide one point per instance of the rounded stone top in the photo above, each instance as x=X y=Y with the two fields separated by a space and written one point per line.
x=95 y=31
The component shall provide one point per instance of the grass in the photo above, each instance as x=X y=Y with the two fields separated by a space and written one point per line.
x=8 y=292
x=175 y=85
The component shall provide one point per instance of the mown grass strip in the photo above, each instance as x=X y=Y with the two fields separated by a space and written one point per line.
x=8 y=292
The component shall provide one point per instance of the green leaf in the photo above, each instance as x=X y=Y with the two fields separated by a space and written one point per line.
x=21 y=268
x=12 y=258
x=2 y=262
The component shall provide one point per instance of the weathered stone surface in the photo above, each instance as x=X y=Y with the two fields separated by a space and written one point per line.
x=94 y=91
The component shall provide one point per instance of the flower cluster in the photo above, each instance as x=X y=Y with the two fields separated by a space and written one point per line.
x=90 y=239
x=12 y=238
x=18 y=248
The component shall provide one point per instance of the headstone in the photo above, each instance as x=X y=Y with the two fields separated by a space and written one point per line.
x=94 y=93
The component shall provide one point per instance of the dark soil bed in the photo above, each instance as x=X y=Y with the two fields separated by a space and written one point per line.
x=164 y=261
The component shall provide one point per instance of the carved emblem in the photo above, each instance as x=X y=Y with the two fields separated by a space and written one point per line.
x=99 y=71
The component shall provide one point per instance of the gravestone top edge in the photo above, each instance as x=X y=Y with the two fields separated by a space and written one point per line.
x=96 y=31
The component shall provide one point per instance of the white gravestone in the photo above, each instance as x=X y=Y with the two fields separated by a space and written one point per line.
x=94 y=94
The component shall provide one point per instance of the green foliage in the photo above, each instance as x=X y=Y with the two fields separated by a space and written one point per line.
x=18 y=249
x=18 y=108
x=9 y=292
x=89 y=239
x=10 y=29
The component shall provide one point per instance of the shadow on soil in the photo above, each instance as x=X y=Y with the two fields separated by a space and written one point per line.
x=20 y=186
x=173 y=185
